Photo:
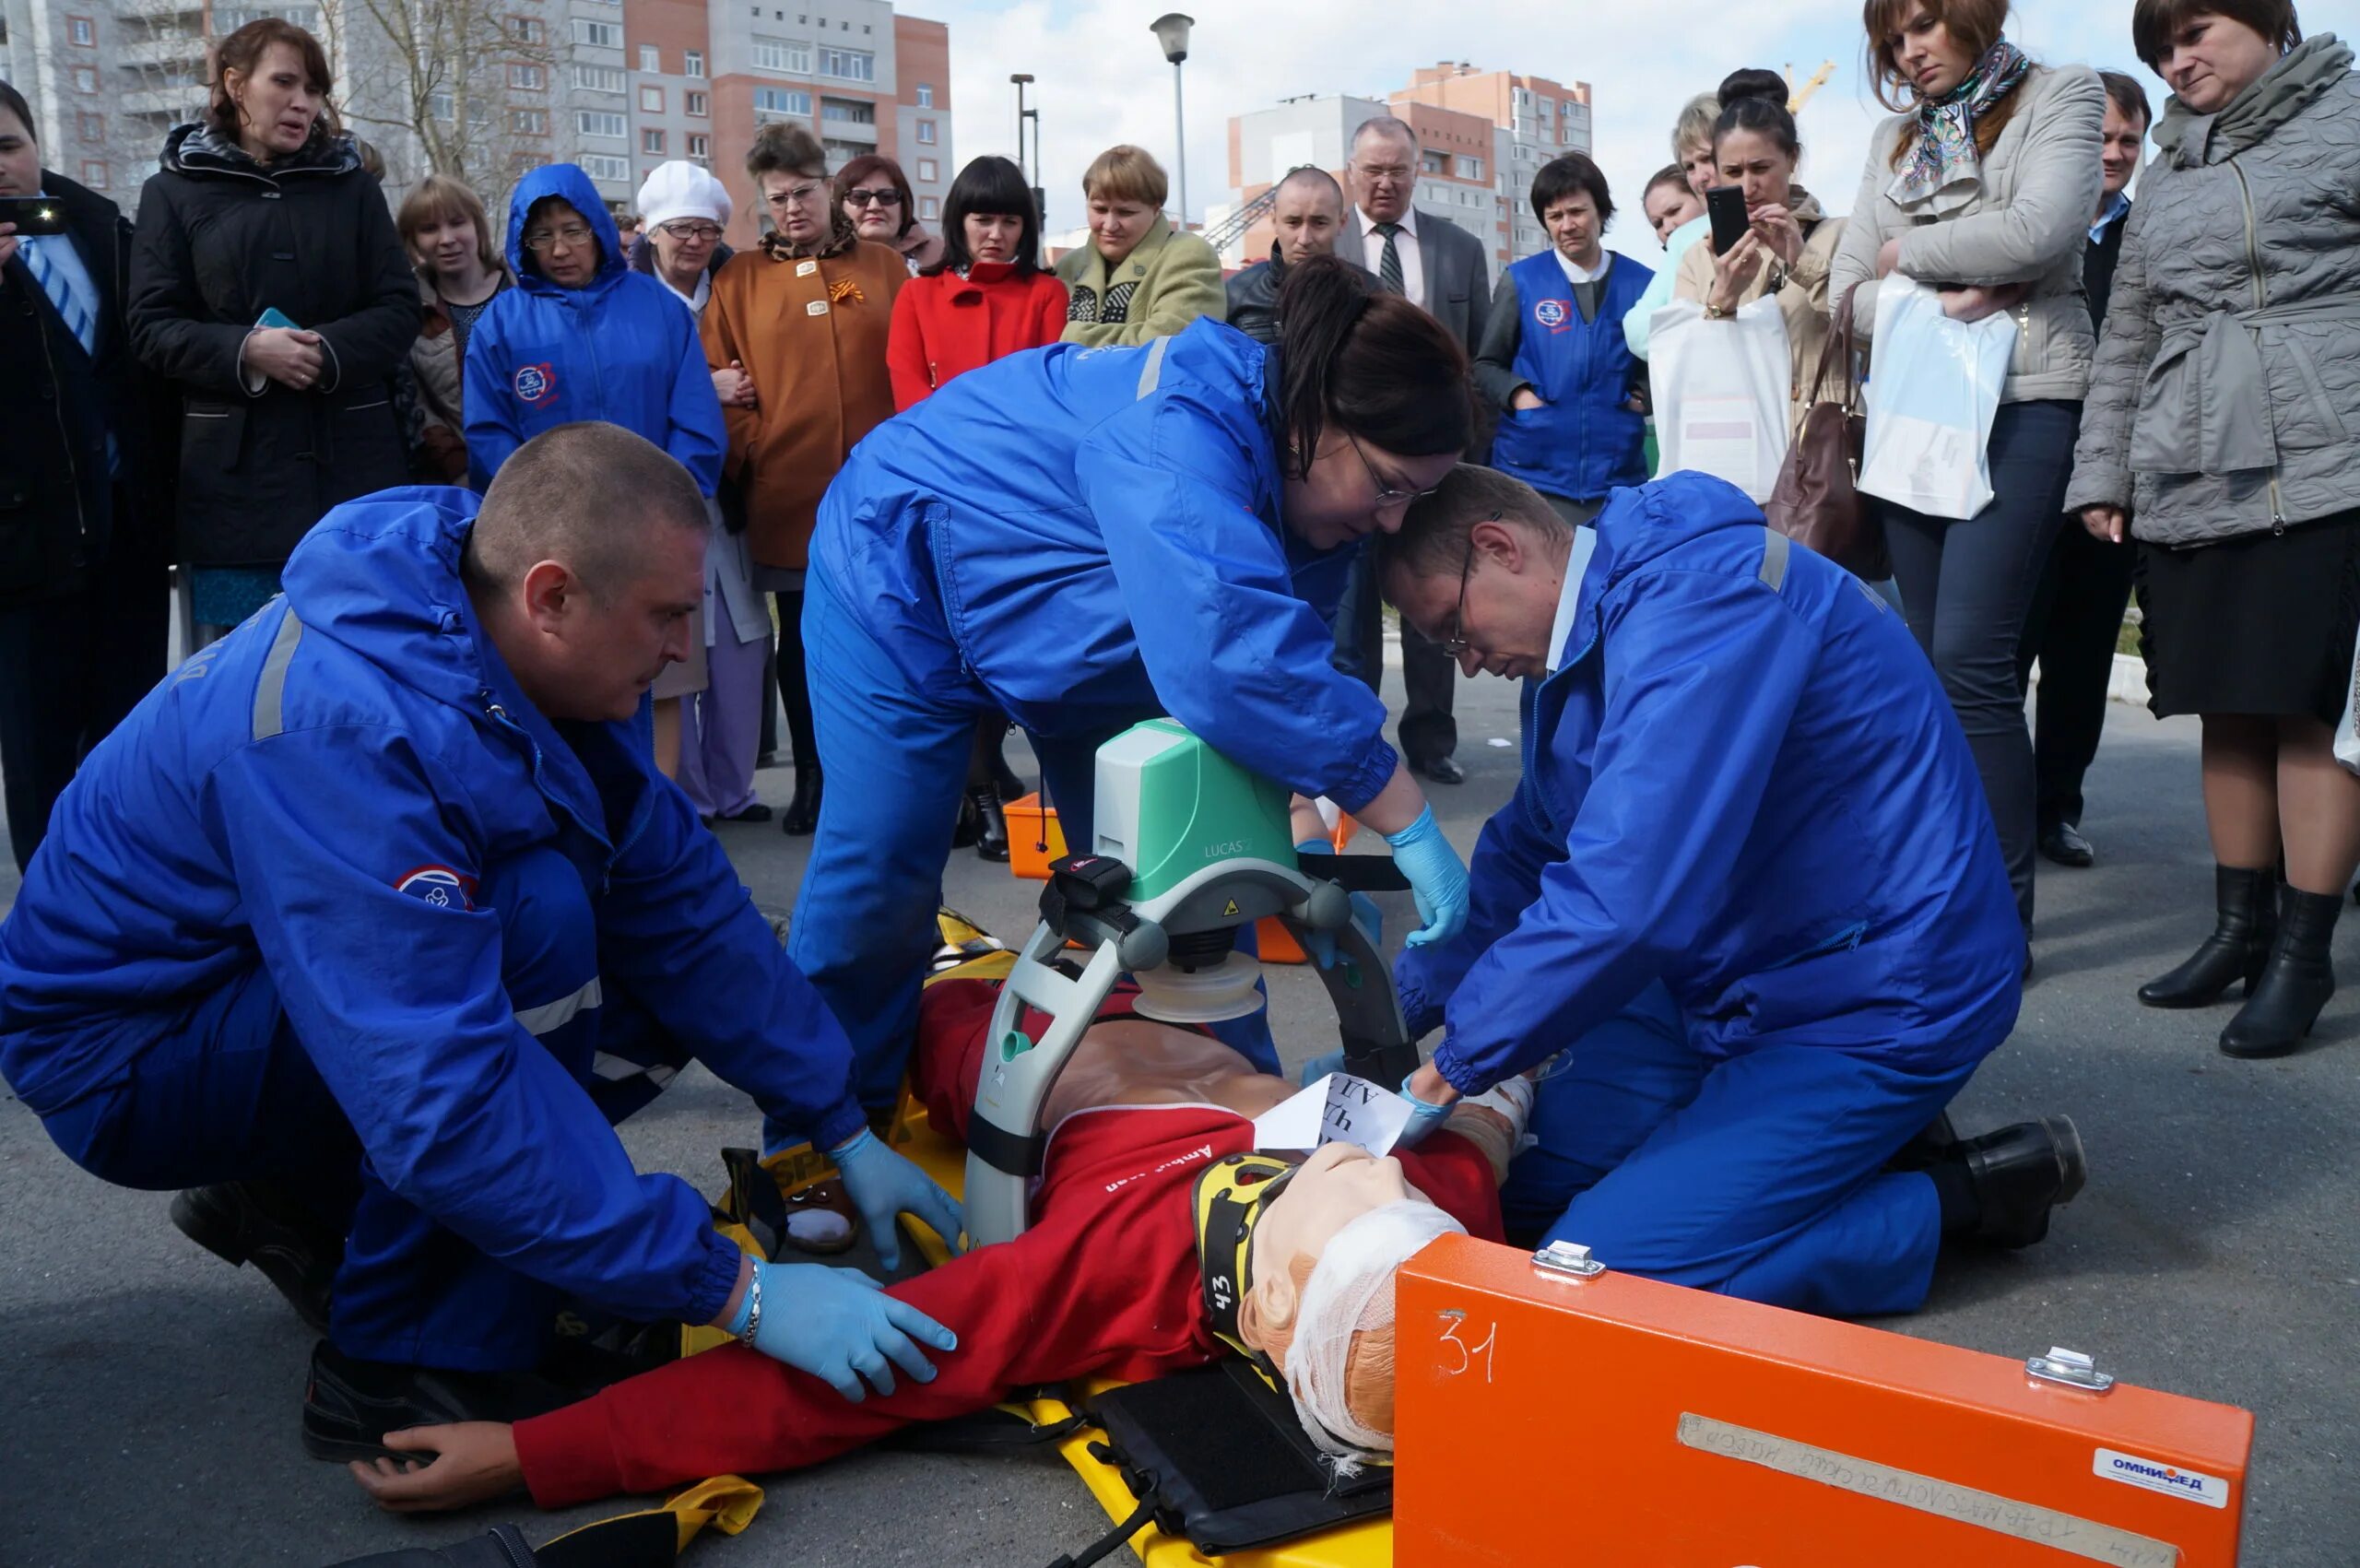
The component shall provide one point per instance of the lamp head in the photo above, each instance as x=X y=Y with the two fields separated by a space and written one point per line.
x=1171 y=31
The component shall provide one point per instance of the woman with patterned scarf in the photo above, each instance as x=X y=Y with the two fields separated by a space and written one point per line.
x=1982 y=187
x=808 y=314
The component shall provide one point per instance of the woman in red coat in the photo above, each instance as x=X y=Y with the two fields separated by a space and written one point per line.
x=986 y=297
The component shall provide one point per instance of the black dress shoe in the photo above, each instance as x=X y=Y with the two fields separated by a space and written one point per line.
x=241 y=1222
x=757 y=812
x=991 y=823
x=2282 y=1005
x=1441 y=770
x=2022 y=1172
x=802 y=814
x=2064 y=843
x=349 y=1404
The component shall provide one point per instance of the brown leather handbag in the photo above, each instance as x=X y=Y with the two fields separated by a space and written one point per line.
x=1815 y=503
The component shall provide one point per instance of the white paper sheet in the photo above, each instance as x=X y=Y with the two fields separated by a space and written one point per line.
x=1339 y=1108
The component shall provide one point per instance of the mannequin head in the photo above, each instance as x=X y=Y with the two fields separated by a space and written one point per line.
x=1338 y=1186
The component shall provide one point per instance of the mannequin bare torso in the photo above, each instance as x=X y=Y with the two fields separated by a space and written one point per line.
x=1137 y=1061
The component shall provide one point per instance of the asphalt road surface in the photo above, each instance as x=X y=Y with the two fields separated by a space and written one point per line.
x=150 y=1394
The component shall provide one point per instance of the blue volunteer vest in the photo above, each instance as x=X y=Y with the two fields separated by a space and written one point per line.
x=1586 y=442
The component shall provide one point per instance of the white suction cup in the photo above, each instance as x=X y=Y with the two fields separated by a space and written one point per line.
x=1208 y=996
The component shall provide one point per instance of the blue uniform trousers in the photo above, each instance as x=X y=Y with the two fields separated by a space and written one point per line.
x=1760 y=1176
x=231 y=1096
x=897 y=762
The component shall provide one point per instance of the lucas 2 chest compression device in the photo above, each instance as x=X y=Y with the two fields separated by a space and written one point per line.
x=1189 y=847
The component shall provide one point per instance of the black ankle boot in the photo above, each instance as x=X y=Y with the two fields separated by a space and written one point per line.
x=2242 y=932
x=2296 y=983
x=802 y=814
x=2022 y=1172
x=991 y=831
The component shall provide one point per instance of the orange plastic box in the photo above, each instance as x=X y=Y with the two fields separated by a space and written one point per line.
x=1547 y=1418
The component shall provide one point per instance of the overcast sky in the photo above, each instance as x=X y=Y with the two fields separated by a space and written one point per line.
x=1101 y=78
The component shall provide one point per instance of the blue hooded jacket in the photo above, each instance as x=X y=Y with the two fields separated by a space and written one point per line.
x=622 y=348
x=259 y=810
x=1744 y=779
x=1093 y=534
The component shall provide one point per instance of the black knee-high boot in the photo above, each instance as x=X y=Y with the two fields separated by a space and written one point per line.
x=2296 y=983
x=802 y=814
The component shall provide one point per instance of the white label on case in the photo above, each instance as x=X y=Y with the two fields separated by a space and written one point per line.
x=806 y=268
x=2156 y=1475
x=816 y=308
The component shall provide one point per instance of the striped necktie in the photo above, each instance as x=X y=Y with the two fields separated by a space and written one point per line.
x=1388 y=266
x=57 y=283
x=74 y=310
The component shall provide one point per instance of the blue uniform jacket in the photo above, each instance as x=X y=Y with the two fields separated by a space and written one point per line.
x=1586 y=441
x=1743 y=778
x=1093 y=534
x=623 y=350
x=315 y=802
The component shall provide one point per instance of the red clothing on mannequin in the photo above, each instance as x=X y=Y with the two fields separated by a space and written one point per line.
x=1105 y=1284
x=945 y=325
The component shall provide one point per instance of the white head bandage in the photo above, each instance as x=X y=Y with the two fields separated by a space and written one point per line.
x=1350 y=1290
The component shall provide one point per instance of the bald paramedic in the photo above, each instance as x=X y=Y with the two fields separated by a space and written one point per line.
x=371 y=920
x=1747 y=887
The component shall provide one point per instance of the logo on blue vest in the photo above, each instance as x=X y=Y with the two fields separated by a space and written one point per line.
x=535 y=383
x=440 y=886
x=1552 y=313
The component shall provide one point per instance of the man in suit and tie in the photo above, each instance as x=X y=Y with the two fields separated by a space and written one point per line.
x=83 y=491
x=1441 y=268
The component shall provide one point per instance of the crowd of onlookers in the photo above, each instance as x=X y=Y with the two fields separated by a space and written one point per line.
x=2181 y=413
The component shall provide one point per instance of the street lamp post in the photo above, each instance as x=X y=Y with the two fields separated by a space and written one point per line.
x=1171 y=31
x=1040 y=196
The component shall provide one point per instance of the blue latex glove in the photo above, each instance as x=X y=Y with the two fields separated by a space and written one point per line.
x=1437 y=879
x=1365 y=915
x=1423 y=1118
x=883 y=1185
x=840 y=1327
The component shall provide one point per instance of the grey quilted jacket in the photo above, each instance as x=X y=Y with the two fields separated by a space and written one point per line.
x=2227 y=394
x=2025 y=219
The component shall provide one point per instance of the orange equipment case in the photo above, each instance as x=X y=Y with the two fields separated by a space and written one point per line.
x=1549 y=1417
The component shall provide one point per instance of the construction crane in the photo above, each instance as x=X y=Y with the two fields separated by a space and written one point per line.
x=1798 y=96
x=1231 y=230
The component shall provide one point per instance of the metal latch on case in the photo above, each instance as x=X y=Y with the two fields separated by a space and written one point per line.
x=2071 y=1368
x=1567 y=1260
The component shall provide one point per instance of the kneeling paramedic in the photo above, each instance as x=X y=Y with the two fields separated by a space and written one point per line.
x=373 y=916
x=1743 y=781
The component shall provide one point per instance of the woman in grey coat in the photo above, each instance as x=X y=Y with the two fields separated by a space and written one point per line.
x=1983 y=191
x=2224 y=430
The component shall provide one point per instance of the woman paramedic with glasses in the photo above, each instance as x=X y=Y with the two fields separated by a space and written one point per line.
x=1086 y=538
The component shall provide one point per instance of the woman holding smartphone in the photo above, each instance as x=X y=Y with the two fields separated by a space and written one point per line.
x=268 y=285
x=1982 y=186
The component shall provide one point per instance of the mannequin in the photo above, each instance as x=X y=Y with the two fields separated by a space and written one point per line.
x=1106 y=1283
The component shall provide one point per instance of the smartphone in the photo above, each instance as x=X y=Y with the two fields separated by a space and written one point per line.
x=33 y=216
x=1725 y=204
x=276 y=317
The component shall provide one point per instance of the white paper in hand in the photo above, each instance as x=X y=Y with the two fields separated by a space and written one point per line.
x=1339 y=1108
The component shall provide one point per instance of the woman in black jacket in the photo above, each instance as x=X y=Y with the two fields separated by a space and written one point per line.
x=263 y=207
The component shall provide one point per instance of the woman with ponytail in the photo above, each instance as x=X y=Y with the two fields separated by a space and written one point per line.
x=1982 y=187
x=1083 y=539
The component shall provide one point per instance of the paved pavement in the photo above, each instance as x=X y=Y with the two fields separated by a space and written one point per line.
x=151 y=1394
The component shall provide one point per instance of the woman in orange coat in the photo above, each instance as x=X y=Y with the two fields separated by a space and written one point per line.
x=985 y=297
x=807 y=314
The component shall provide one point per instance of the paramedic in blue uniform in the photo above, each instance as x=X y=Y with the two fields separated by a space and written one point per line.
x=1085 y=538
x=369 y=920
x=1748 y=886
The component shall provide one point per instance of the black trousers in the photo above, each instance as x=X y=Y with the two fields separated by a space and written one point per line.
x=70 y=668
x=1429 y=675
x=2076 y=621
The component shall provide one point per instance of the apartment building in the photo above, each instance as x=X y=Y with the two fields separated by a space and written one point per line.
x=1481 y=136
x=491 y=88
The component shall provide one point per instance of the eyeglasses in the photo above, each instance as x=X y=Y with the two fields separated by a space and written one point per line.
x=799 y=195
x=686 y=231
x=886 y=197
x=572 y=235
x=1386 y=495
x=1382 y=170
x=1455 y=643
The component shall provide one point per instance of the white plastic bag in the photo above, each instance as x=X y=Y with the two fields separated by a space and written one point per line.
x=2347 y=728
x=1721 y=392
x=1933 y=389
